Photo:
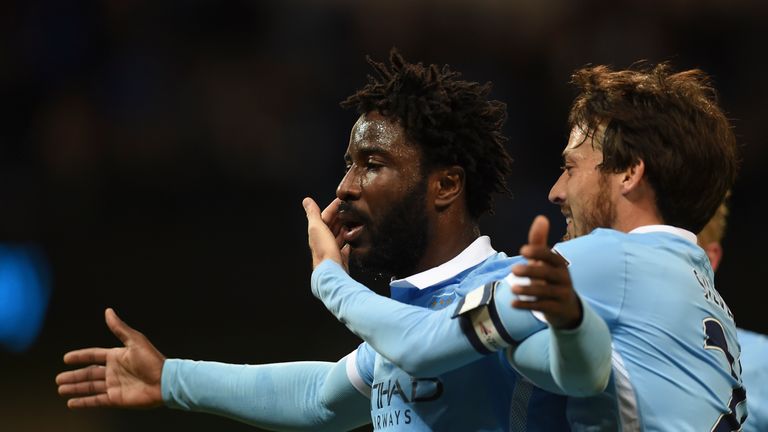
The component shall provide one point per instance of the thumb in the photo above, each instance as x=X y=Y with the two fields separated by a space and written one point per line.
x=537 y=235
x=118 y=327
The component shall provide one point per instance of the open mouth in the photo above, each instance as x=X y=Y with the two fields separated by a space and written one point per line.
x=351 y=231
x=568 y=217
x=352 y=225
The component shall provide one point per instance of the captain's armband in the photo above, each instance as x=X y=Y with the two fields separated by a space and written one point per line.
x=479 y=319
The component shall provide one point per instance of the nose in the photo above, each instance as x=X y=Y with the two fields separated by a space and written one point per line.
x=557 y=193
x=349 y=187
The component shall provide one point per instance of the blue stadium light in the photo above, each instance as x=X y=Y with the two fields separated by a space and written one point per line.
x=24 y=294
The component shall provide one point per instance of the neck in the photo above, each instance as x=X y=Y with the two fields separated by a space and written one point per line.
x=445 y=244
x=634 y=214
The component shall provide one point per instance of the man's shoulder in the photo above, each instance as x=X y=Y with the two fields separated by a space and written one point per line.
x=599 y=242
x=494 y=268
x=499 y=262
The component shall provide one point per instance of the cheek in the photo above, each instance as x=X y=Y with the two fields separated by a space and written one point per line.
x=580 y=188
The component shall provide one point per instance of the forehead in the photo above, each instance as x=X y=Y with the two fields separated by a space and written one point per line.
x=374 y=132
x=582 y=143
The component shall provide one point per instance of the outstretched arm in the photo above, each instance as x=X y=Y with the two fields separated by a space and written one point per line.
x=424 y=342
x=283 y=396
x=288 y=396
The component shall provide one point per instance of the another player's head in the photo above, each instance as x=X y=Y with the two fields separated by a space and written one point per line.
x=711 y=237
x=424 y=159
x=646 y=145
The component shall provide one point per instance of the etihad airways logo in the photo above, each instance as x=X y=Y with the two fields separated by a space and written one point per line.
x=418 y=390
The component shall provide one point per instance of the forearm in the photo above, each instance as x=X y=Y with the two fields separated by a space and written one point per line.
x=574 y=362
x=285 y=396
x=420 y=341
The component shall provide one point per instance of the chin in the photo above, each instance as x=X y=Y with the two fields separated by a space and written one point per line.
x=358 y=252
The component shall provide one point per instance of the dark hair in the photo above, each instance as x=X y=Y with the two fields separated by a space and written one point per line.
x=450 y=119
x=670 y=121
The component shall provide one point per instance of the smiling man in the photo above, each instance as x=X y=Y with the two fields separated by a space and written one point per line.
x=590 y=205
x=649 y=159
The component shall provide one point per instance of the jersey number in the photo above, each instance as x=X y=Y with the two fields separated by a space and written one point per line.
x=716 y=340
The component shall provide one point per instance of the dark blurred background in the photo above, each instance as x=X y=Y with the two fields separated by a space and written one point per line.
x=155 y=154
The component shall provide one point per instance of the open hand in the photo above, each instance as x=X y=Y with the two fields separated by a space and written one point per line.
x=127 y=377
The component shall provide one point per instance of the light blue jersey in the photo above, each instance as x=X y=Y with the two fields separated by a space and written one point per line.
x=484 y=395
x=754 y=363
x=676 y=356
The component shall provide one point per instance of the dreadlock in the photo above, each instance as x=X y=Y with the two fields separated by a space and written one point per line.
x=450 y=119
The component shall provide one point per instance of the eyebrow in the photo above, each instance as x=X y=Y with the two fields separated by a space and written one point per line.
x=367 y=150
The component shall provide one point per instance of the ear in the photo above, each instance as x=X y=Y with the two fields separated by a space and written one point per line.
x=714 y=251
x=632 y=177
x=448 y=185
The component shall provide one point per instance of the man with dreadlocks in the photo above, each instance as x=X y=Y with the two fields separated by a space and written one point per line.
x=424 y=159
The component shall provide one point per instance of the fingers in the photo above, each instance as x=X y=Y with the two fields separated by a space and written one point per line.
x=329 y=213
x=314 y=218
x=91 y=373
x=544 y=254
x=83 y=388
x=345 y=251
x=543 y=306
x=560 y=312
x=123 y=331
x=539 y=291
x=87 y=385
x=100 y=400
x=86 y=356
x=89 y=389
x=542 y=272
x=322 y=242
x=330 y=218
x=311 y=208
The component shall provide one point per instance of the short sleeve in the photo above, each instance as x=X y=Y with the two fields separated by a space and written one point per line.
x=360 y=368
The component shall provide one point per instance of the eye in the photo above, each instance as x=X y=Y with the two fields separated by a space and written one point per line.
x=567 y=168
x=373 y=165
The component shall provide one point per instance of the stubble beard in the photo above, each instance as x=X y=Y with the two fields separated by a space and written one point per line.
x=600 y=212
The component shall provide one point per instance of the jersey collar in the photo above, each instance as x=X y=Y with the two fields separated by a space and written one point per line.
x=691 y=237
x=477 y=252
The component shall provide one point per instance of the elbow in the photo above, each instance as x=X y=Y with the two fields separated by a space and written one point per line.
x=592 y=385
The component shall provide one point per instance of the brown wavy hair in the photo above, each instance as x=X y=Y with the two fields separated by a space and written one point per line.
x=672 y=122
